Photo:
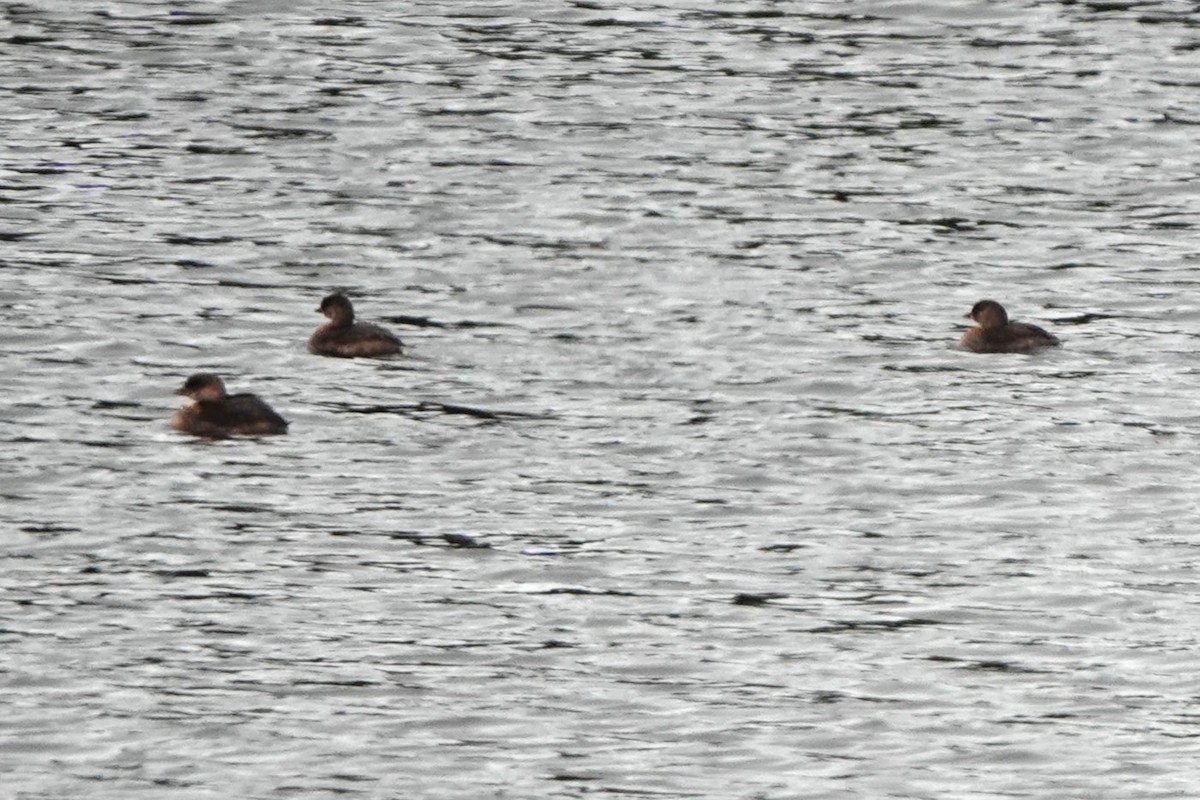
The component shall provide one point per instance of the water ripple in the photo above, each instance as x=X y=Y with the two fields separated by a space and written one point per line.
x=682 y=482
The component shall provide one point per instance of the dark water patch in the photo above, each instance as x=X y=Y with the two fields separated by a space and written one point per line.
x=1173 y=118
x=574 y=777
x=25 y=40
x=50 y=528
x=1153 y=428
x=245 y=284
x=615 y=22
x=243 y=508
x=985 y=665
x=742 y=13
x=178 y=17
x=220 y=594
x=544 y=307
x=104 y=405
x=1109 y=6
x=280 y=132
x=871 y=414
x=465 y=541
x=348 y=683
x=989 y=43
x=582 y=591
x=1071 y=265
x=77 y=361
x=461 y=541
x=419 y=409
x=44 y=169
x=203 y=148
x=429 y=322
x=534 y=242
x=1023 y=189
x=193 y=240
x=183 y=573
x=1170 y=225
x=361 y=230
x=342 y=21
x=8 y=188
x=1085 y=318
x=1074 y=375
x=787 y=547
x=756 y=598
x=919 y=369
x=957 y=224
x=890 y=625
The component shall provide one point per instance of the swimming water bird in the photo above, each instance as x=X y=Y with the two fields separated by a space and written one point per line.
x=342 y=337
x=996 y=334
x=218 y=415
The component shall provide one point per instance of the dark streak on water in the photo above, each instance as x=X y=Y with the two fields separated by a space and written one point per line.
x=683 y=490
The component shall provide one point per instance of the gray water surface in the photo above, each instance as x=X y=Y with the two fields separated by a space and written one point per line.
x=684 y=488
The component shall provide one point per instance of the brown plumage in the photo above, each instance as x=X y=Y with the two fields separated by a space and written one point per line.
x=996 y=334
x=342 y=337
x=218 y=415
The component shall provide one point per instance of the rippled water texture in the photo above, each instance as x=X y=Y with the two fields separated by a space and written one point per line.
x=684 y=488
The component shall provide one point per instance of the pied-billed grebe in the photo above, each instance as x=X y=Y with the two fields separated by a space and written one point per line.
x=217 y=415
x=344 y=338
x=996 y=334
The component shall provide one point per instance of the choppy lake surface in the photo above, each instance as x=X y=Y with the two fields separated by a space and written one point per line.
x=684 y=488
